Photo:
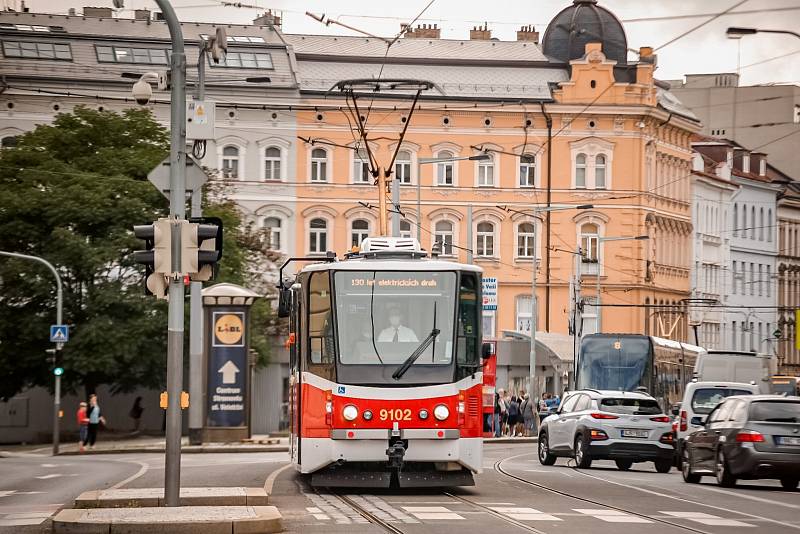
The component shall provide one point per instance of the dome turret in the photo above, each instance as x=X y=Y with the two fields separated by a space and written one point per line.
x=585 y=22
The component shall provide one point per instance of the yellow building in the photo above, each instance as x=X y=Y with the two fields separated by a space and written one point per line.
x=566 y=122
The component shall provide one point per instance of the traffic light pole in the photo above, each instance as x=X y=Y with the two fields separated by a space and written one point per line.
x=177 y=210
x=59 y=308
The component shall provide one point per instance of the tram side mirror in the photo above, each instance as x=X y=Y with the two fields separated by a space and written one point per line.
x=285 y=302
x=487 y=351
x=676 y=408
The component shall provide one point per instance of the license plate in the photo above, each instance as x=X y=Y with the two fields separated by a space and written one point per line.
x=628 y=433
x=788 y=440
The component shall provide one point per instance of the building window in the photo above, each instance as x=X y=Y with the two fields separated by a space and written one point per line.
x=37 y=50
x=405 y=228
x=318 y=236
x=444 y=169
x=359 y=232
x=9 y=142
x=244 y=60
x=272 y=164
x=485 y=239
x=580 y=171
x=762 y=166
x=589 y=316
x=488 y=324
x=769 y=280
x=525 y=240
x=524 y=315
x=770 y=225
x=361 y=174
x=272 y=227
x=230 y=162
x=402 y=167
x=443 y=234
x=735 y=219
x=486 y=173
x=589 y=243
x=746 y=163
x=600 y=171
x=126 y=54
x=527 y=170
x=796 y=117
x=735 y=277
x=753 y=222
x=319 y=165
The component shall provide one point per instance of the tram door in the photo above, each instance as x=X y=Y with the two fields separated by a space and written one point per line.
x=295 y=386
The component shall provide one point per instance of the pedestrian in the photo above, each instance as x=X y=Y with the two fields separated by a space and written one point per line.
x=520 y=429
x=553 y=403
x=83 y=426
x=95 y=419
x=136 y=414
x=528 y=410
x=513 y=415
x=500 y=413
x=543 y=409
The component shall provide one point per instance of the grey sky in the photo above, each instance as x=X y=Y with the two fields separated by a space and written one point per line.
x=706 y=50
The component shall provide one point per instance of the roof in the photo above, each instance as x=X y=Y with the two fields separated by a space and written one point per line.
x=755 y=398
x=558 y=347
x=613 y=393
x=495 y=82
x=415 y=48
x=226 y=289
x=581 y=23
x=670 y=103
x=363 y=264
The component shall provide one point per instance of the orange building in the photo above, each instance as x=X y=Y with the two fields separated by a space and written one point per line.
x=565 y=123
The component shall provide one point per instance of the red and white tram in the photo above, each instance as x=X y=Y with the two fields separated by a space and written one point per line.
x=386 y=367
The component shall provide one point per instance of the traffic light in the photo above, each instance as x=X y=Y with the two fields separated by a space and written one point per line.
x=58 y=363
x=201 y=247
x=157 y=258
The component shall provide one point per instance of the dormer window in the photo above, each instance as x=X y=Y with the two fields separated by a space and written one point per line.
x=762 y=167
x=746 y=163
x=729 y=160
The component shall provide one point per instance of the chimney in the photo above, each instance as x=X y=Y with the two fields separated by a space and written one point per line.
x=71 y=12
x=268 y=19
x=422 y=31
x=141 y=14
x=528 y=33
x=100 y=12
x=480 y=33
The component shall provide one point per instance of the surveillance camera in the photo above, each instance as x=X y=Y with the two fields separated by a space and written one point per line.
x=142 y=92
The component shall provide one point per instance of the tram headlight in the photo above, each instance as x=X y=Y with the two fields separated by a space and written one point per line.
x=350 y=412
x=367 y=415
x=423 y=414
x=441 y=412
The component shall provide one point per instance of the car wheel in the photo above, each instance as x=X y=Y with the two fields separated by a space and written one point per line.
x=663 y=466
x=724 y=476
x=582 y=456
x=790 y=483
x=623 y=465
x=545 y=456
x=686 y=467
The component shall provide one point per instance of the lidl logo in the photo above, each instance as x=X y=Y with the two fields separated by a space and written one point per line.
x=229 y=329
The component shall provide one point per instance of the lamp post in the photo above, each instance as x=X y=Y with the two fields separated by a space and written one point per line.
x=420 y=162
x=597 y=276
x=735 y=32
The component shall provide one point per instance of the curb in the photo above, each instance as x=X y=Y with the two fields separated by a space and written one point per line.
x=185 y=519
x=184 y=450
x=487 y=441
x=154 y=497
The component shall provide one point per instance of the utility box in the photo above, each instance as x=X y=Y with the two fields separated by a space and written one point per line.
x=200 y=115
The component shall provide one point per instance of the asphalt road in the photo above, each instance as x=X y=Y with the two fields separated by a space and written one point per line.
x=514 y=493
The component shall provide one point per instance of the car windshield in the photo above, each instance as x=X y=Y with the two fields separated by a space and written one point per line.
x=775 y=411
x=630 y=406
x=383 y=317
x=706 y=399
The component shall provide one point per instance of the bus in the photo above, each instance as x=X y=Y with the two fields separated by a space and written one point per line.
x=385 y=357
x=629 y=362
x=786 y=385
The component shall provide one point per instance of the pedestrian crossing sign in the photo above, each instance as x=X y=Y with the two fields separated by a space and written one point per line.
x=59 y=333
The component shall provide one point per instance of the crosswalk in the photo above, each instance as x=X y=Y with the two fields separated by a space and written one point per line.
x=330 y=509
x=19 y=516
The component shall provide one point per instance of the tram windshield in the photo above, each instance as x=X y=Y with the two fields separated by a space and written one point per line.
x=384 y=316
x=621 y=364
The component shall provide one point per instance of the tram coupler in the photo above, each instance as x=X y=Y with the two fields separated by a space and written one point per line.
x=396 y=452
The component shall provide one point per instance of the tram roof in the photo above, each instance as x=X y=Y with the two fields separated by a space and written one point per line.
x=392 y=264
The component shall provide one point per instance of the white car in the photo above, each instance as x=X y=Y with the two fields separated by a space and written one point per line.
x=698 y=401
x=623 y=426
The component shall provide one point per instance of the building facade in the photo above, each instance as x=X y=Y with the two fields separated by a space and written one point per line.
x=789 y=277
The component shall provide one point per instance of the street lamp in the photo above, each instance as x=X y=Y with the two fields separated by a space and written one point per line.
x=734 y=32
x=601 y=240
x=420 y=162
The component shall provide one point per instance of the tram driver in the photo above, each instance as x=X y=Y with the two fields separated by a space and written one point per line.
x=396 y=332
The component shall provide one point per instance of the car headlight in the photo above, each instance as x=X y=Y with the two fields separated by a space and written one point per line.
x=367 y=415
x=441 y=412
x=350 y=412
x=423 y=414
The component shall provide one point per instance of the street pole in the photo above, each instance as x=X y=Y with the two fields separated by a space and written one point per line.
x=177 y=210
x=469 y=235
x=419 y=208
x=382 y=230
x=395 y=207
x=597 y=302
x=534 y=391
x=59 y=346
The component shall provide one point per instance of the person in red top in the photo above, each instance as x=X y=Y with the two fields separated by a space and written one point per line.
x=83 y=425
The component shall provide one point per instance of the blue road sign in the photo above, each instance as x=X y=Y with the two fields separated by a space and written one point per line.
x=59 y=333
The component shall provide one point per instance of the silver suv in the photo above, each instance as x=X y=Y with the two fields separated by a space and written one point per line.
x=623 y=426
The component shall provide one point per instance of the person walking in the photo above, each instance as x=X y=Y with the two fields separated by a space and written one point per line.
x=83 y=426
x=528 y=415
x=513 y=415
x=136 y=414
x=95 y=418
x=500 y=413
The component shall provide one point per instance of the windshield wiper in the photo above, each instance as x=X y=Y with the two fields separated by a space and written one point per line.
x=400 y=371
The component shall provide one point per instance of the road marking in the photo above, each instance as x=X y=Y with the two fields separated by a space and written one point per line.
x=524 y=514
x=317 y=513
x=553 y=472
x=611 y=516
x=432 y=512
x=381 y=508
x=20 y=519
x=708 y=519
x=5 y=493
x=272 y=477
x=751 y=497
x=56 y=475
x=495 y=503
x=143 y=467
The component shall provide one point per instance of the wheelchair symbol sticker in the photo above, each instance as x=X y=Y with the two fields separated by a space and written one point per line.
x=340 y=391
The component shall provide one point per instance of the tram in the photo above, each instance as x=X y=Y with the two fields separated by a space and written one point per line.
x=386 y=359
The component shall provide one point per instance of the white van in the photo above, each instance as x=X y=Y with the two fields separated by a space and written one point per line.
x=736 y=366
x=699 y=399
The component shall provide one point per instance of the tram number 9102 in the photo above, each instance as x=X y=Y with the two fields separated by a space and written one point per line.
x=395 y=414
